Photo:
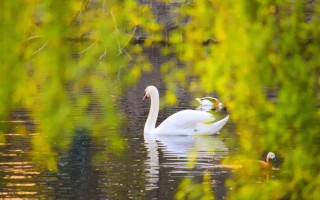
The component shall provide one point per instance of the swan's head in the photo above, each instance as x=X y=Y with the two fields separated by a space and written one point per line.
x=211 y=102
x=149 y=91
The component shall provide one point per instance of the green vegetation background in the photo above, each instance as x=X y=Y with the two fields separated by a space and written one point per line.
x=53 y=52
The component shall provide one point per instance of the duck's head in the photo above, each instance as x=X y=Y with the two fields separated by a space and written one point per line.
x=271 y=157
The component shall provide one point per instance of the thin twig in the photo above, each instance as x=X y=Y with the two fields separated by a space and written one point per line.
x=40 y=49
x=131 y=36
x=114 y=21
x=89 y=47
x=117 y=30
x=121 y=49
x=127 y=54
x=128 y=41
x=104 y=54
x=104 y=8
x=32 y=37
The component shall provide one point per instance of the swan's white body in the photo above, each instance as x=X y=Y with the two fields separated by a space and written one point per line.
x=186 y=122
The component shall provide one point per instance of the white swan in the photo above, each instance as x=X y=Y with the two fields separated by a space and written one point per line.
x=186 y=122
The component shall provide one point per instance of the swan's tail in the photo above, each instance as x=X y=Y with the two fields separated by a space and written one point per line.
x=217 y=126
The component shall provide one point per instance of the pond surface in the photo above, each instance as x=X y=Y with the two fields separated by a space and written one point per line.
x=151 y=168
x=148 y=168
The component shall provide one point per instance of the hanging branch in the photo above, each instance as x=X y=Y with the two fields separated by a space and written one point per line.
x=121 y=49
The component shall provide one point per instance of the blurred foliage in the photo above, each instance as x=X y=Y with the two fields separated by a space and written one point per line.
x=61 y=60
x=262 y=58
x=191 y=190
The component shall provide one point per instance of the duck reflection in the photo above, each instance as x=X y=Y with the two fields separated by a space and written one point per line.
x=180 y=155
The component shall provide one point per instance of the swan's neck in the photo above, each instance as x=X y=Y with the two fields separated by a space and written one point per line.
x=150 y=125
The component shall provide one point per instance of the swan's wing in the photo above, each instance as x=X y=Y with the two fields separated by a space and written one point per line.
x=211 y=128
x=186 y=118
x=205 y=101
x=185 y=122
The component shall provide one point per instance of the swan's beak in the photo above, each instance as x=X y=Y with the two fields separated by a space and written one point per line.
x=144 y=97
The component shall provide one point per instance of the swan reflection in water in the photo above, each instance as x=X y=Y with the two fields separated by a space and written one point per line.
x=175 y=153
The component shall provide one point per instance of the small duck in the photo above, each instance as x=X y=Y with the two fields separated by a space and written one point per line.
x=246 y=164
x=267 y=164
x=210 y=103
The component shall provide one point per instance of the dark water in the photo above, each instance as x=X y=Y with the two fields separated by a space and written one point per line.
x=151 y=168
x=148 y=168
